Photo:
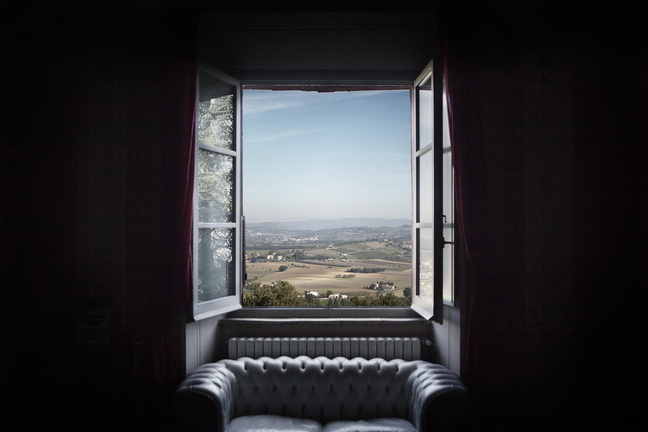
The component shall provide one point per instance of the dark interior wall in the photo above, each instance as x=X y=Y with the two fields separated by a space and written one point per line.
x=92 y=119
x=552 y=109
x=348 y=47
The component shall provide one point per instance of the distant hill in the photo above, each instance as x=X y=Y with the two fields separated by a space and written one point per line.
x=315 y=225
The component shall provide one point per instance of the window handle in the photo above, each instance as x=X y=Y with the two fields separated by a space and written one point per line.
x=446 y=242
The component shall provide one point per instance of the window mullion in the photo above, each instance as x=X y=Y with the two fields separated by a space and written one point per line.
x=211 y=148
x=424 y=150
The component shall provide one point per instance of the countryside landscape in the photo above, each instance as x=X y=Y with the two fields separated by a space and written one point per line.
x=352 y=262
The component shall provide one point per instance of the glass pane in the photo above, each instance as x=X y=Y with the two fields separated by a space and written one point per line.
x=425 y=184
x=448 y=227
x=215 y=263
x=215 y=187
x=448 y=198
x=426 y=264
x=448 y=265
x=448 y=169
x=216 y=112
x=448 y=210
x=425 y=126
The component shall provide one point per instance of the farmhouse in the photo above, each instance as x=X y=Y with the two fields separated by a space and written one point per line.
x=382 y=286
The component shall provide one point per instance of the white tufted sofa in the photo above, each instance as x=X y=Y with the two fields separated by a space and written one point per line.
x=321 y=394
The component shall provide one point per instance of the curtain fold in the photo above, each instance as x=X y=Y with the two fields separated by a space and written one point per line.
x=465 y=138
x=166 y=358
x=176 y=60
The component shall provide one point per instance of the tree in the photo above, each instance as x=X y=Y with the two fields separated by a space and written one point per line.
x=280 y=293
x=283 y=268
x=311 y=300
x=299 y=255
x=388 y=299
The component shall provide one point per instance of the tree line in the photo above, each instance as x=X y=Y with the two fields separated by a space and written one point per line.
x=283 y=293
x=366 y=270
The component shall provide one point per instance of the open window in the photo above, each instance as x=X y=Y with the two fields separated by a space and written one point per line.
x=219 y=256
x=433 y=203
x=217 y=224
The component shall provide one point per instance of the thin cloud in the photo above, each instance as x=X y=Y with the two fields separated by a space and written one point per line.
x=275 y=136
x=254 y=105
x=267 y=101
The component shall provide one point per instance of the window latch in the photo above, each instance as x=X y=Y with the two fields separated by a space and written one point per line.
x=446 y=242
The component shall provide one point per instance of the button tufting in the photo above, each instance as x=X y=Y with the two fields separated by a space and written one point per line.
x=360 y=387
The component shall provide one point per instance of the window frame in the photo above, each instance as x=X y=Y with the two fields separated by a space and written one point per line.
x=421 y=307
x=447 y=204
x=229 y=302
x=428 y=307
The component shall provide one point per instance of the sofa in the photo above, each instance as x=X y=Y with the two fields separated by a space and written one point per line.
x=321 y=395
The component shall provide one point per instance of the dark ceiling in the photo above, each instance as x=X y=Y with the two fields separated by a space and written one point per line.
x=338 y=45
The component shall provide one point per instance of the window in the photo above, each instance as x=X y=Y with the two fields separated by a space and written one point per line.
x=217 y=236
x=327 y=187
x=218 y=225
x=433 y=238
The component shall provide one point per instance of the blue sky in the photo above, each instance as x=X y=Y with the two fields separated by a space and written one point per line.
x=309 y=155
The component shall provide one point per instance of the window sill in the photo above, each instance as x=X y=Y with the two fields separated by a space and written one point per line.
x=320 y=314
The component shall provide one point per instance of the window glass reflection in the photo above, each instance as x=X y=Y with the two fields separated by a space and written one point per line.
x=215 y=187
x=215 y=263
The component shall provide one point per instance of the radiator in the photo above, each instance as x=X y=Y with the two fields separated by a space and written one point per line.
x=407 y=348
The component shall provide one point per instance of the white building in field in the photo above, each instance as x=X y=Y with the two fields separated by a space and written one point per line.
x=313 y=293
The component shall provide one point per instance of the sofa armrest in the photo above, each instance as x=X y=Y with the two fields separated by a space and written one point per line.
x=439 y=399
x=203 y=401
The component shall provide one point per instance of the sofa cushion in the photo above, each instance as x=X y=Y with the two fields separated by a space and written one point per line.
x=370 y=425
x=322 y=389
x=272 y=423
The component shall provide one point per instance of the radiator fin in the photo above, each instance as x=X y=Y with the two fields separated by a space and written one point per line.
x=407 y=348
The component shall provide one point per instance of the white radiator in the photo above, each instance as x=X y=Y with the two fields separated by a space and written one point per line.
x=406 y=348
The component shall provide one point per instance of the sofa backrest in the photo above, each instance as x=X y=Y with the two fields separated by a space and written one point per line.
x=322 y=389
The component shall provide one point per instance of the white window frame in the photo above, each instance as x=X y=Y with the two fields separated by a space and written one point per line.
x=448 y=206
x=443 y=287
x=231 y=301
x=442 y=200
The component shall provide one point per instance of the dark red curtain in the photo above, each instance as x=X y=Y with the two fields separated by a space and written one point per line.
x=464 y=108
x=180 y=177
x=168 y=61
x=457 y=76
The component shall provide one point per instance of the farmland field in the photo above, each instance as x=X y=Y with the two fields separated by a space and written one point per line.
x=323 y=276
x=320 y=260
